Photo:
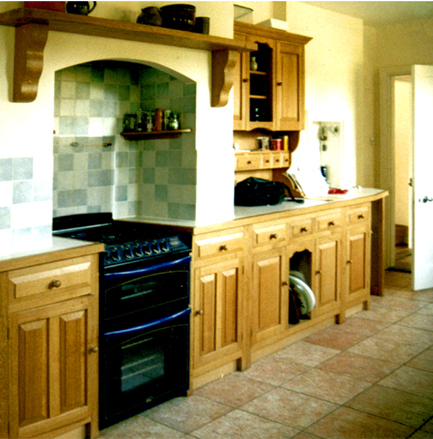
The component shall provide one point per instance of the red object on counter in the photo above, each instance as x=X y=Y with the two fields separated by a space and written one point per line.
x=276 y=145
x=338 y=191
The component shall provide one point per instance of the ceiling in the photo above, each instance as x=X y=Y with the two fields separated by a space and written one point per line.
x=379 y=13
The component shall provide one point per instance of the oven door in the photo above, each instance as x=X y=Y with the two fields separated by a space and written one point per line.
x=157 y=286
x=144 y=366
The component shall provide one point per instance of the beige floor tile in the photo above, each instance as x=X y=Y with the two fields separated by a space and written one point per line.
x=187 y=413
x=423 y=361
x=398 y=303
x=140 y=427
x=381 y=314
x=327 y=385
x=334 y=339
x=358 y=366
x=273 y=370
x=233 y=390
x=306 y=353
x=384 y=349
x=426 y=310
x=408 y=379
x=423 y=296
x=393 y=404
x=346 y=423
x=241 y=425
x=420 y=321
x=361 y=326
x=290 y=408
x=407 y=335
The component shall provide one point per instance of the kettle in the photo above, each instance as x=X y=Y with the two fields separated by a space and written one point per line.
x=79 y=8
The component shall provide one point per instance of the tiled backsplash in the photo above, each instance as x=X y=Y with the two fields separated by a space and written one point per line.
x=154 y=178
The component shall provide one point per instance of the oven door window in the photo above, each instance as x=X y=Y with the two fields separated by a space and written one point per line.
x=144 y=368
x=165 y=288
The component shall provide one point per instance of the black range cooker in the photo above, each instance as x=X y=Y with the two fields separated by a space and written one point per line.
x=144 y=311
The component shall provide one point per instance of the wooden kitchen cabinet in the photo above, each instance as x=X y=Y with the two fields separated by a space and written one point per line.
x=273 y=96
x=217 y=301
x=240 y=289
x=52 y=376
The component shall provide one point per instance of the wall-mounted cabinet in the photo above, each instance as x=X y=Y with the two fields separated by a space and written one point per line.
x=269 y=92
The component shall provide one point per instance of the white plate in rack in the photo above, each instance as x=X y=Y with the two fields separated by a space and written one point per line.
x=304 y=292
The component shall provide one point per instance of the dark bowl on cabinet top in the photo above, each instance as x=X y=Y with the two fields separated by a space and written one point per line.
x=178 y=16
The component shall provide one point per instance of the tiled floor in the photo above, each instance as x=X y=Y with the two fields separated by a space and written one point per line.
x=369 y=378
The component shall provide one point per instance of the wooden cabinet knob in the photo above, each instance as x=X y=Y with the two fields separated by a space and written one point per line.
x=54 y=284
x=249 y=162
x=94 y=349
x=350 y=262
x=273 y=236
x=199 y=312
x=331 y=223
x=279 y=84
x=285 y=283
x=223 y=248
x=318 y=272
x=245 y=80
x=304 y=229
x=361 y=216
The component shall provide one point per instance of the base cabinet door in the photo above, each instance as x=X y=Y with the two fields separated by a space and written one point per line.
x=217 y=314
x=270 y=300
x=326 y=275
x=53 y=367
x=357 y=268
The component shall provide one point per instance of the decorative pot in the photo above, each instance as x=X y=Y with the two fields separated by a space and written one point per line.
x=150 y=16
x=79 y=8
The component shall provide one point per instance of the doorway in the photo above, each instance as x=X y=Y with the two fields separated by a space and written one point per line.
x=403 y=153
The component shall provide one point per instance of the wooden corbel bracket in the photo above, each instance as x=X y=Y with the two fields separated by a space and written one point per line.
x=223 y=64
x=30 y=40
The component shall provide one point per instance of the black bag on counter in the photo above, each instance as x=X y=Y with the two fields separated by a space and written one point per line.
x=258 y=192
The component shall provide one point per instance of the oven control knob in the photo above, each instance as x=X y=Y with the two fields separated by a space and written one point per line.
x=114 y=256
x=128 y=253
x=155 y=248
x=147 y=250
x=163 y=246
x=138 y=252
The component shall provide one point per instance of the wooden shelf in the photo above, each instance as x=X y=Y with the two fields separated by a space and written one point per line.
x=32 y=27
x=148 y=135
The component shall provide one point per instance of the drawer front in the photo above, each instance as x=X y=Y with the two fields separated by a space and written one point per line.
x=329 y=221
x=267 y=160
x=270 y=234
x=301 y=227
x=44 y=283
x=219 y=245
x=359 y=214
x=280 y=160
x=248 y=161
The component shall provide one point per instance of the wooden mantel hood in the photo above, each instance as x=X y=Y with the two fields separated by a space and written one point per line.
x=31 y=33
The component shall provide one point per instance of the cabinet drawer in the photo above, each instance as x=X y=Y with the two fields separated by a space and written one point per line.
x=267 y=160
x=301 y=227
x=280 y=160
x=269 y=234
x=359 y=214
x=248 y=161
x=329 y=221
x=219 y=245
x=43 y=284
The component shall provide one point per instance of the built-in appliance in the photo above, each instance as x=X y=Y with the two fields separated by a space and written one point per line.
x=144 y=311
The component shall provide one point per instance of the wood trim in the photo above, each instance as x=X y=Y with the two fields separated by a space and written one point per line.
x=32 y=27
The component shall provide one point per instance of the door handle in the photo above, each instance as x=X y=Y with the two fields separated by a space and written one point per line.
x=426 y=199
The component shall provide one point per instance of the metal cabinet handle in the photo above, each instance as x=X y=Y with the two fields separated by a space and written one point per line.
x=273 y=236
x=223 y=248
x=350 y=262
x=284 y=284
x=361 y=216
x=304 y=229
x=331 y=223
x=279 y=83
x=94 y=349
x=245 y=80
x=199 y=312
x=249 y=162
x=54 y=284
x=318 y=272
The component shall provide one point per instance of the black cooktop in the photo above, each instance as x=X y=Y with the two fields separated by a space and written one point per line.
x=124 y=241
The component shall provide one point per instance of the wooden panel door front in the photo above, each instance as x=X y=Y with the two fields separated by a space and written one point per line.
x=217 y=313
x=240 y=88
x=357 y=267
x=270 y=294
x=51 y=354
x=289 y=87
x=327 y=280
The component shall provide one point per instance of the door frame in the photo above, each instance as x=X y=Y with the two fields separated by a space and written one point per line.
x=387 y=153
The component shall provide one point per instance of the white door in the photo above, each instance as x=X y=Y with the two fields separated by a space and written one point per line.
x=422 y=262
